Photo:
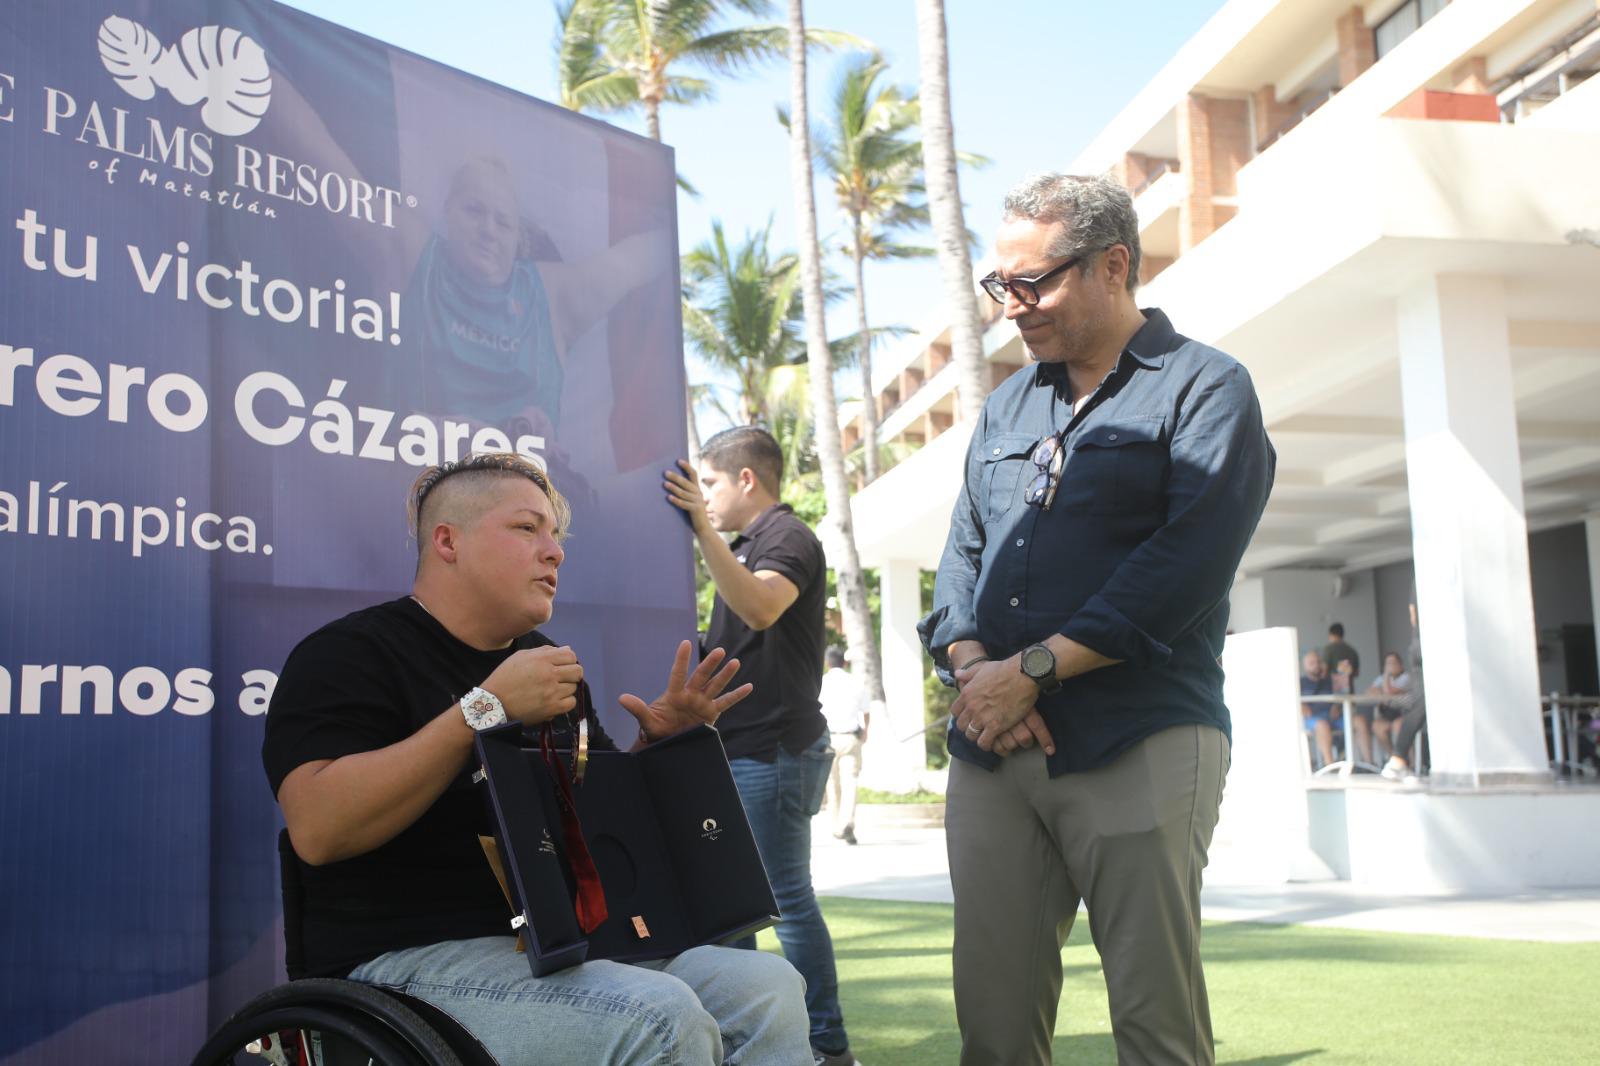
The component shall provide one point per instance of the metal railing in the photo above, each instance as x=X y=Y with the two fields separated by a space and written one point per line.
x=1563 y=712
x=1300 y=114
x=1350 y=764
x=1553 y=72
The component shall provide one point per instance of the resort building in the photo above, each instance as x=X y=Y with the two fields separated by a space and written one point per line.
x=1390 y=213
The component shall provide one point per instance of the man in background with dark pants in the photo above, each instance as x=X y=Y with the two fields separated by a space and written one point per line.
x=771 y=583
x=1110 y=490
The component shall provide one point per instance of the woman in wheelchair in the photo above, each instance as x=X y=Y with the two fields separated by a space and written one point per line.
x=394 y=920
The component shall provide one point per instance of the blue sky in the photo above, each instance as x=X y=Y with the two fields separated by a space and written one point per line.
x=1032 y=81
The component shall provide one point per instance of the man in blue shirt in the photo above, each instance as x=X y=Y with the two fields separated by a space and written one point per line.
x=1319 y=717
x=1080 y=608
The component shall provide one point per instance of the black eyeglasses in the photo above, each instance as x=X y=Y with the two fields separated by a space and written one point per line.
x=1049 y=455
x=1026 y=290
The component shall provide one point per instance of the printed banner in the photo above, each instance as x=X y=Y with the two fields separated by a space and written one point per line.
x=257 y=271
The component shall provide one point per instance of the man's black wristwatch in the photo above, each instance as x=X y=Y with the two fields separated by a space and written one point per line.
x=1039 y=664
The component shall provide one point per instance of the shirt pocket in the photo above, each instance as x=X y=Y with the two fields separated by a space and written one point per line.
x=1005 y=457
x=1118 y=468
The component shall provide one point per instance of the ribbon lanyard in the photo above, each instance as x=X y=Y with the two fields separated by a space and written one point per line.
x=591 y=901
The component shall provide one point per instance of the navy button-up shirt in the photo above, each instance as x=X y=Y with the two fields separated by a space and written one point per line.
x=1166 y=472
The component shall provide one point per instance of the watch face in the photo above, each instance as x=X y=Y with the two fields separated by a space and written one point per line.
x=482 y=710
x=1038 y=662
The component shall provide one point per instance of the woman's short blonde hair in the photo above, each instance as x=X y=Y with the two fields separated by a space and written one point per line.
x=483 y=467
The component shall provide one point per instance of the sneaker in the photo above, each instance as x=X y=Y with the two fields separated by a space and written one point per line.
x=1396 y=770
x=843 y=1058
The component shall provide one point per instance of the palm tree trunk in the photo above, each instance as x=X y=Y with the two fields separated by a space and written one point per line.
x=869 y=402
x=852 y=582
x=652 y=119
x=944 y=203
x=693 y=423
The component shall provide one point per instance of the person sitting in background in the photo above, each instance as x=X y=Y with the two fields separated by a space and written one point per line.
x=1319 y=717
x=1394 y=681
x=1414 y=708
x=1359 y=722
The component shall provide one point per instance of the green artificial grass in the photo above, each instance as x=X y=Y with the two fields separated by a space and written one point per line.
x=1279 y=994
x=872 y=795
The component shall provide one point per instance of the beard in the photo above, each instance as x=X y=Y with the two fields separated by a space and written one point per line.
x=1075 y=340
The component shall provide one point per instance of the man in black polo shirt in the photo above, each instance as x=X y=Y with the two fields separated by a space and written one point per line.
x=1081 y=603
x=771 y=583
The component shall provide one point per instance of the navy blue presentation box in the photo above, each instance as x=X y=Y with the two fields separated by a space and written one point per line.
x=668 y=834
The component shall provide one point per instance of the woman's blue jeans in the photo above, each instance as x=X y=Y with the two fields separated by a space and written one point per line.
x=706 y=1007
x=780 y=798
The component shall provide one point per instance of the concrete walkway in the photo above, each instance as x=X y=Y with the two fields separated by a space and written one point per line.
x=909 y=864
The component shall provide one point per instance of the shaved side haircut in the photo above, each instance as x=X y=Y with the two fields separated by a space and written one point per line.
x=743 y=447
x=457 y=493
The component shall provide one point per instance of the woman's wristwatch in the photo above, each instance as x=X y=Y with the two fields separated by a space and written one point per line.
x=482 y=709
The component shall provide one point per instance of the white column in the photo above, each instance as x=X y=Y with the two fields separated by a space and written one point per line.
x=891 y=762
x=1247 y=605
x=1469 y=533
x=1591 y=529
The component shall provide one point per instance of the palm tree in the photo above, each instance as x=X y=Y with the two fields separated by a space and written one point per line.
x=875 y=162
x=619 y=55
x=741 y=313
x=852 y=583
x=944 y=201
x=877 y=180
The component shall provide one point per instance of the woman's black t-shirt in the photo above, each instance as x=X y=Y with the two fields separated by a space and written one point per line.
x=364 y=682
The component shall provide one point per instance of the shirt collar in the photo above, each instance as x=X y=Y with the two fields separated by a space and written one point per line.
x=1154 y=340
x=763 y=520
x=1148 y=347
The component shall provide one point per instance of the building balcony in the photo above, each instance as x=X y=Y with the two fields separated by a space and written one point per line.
x=1374 y=206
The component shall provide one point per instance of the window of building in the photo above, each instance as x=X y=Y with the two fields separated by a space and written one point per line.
x=1402 y=22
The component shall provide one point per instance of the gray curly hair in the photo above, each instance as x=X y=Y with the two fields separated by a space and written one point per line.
x=1096 y=212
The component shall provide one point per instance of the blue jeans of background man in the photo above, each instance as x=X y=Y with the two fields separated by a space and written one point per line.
x=705 y=1007
x=780 y=798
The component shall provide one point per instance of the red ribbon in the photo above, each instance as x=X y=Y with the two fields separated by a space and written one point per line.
x=591 y=902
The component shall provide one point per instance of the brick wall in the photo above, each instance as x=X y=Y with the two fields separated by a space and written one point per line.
x=1270 y=114
x=1151 y=265
x=1455 y=107
x=1132 y=170
x=1215 y=139
x=1357 y=50
x=910 y=381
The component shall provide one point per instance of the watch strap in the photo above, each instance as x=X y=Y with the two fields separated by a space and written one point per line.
x=1047 y=680
x=482 y=709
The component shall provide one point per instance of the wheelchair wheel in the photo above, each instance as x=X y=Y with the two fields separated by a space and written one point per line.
x=323 y=1022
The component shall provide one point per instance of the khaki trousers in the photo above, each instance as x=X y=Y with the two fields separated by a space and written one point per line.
x=1129 y=840
x=842 y=781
